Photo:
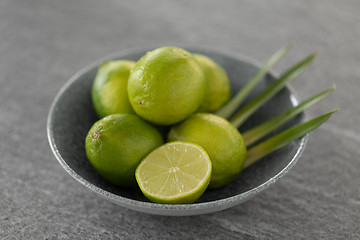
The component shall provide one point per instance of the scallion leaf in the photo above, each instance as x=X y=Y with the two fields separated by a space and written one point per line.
x=244 y=113
x=230 y=107
x=264 y=148
x=256 y=133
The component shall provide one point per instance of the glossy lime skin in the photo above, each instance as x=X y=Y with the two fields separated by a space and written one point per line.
x=109 y=90
x=116 y=144
x=218 y=89
x=166 y=85
x=221 y=140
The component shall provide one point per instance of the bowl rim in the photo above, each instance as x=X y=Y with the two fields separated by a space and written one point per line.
x=168 y=209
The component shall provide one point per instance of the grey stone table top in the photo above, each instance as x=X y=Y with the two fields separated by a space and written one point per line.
x=42 y=43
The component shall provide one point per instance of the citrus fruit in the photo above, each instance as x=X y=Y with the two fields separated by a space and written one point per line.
x=217 y=91
x=116 y=144
x=175 y=173
x=166 y=85
x=109 y=90
x=221 y=141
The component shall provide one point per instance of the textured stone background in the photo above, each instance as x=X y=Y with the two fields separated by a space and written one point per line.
x=42 y=43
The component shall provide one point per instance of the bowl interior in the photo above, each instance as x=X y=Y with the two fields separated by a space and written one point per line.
x=72 y=115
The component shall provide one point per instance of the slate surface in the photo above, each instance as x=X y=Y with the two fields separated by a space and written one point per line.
x=42 y=43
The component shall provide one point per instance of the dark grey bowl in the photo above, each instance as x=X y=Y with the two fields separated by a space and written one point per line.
x=71 y=116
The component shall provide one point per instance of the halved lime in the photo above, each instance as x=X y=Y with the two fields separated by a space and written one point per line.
x=175 y=173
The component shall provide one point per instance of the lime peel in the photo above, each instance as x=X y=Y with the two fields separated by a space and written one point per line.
x=109 y=89
x=221 y=140
x=217 y=90
x=166 y=85
x=116 y=144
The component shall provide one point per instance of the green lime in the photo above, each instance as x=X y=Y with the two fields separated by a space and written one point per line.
x=116 y=144
x=221 y=141
x=109 y=90
x=218 y=90
x=175 y=173
x=166 y=85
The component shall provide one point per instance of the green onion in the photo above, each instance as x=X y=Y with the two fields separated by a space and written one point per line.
x=262 y=149
x=244 y=113
x=263 y=129
x=229 y=108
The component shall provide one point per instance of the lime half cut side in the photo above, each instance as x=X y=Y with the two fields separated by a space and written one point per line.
x=175 y=173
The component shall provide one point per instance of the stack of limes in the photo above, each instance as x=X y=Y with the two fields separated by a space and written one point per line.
x=165 y=87
x=172 y=87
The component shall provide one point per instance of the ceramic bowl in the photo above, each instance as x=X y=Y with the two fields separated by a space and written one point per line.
x=71 y=115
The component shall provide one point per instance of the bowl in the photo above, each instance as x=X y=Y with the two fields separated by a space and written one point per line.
x=71 y=115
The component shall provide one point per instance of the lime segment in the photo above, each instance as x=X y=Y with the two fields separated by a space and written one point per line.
x=175 y=173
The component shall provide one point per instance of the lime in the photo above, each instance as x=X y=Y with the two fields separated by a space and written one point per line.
x=166 y=85
x=175 y=173
x=218 y=90
x=116 y=144
x=109 y=90
x=221 y=141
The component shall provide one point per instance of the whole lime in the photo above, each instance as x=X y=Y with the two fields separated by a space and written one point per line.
x=218 y=89
x=221 y=141
x=109 y=90
x=166 y=85
x=116 y=144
